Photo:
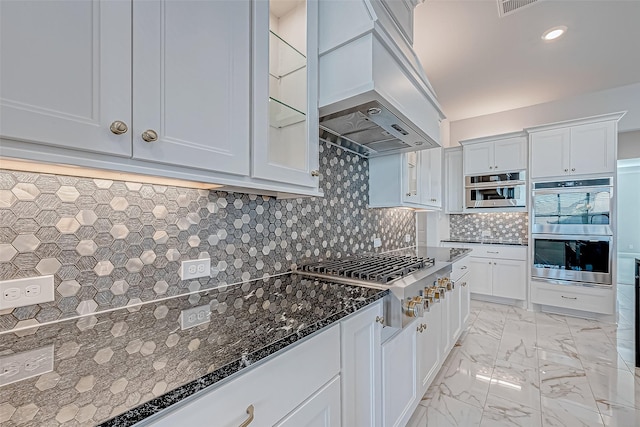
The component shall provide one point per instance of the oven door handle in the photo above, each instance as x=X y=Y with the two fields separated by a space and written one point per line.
x=562 y=190
x=494 y=184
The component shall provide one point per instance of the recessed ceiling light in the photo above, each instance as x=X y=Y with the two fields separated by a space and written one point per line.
x=554 y=33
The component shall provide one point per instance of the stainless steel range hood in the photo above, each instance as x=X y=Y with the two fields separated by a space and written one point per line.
x=373 y=130
x=374 y=97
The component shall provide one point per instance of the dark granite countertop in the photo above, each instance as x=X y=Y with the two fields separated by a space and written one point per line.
x=518 y=242
x=117 y=368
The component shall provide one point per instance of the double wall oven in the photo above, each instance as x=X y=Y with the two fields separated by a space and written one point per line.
x=572 y=235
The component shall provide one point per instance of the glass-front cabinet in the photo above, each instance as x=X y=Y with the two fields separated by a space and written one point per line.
x=285 y=140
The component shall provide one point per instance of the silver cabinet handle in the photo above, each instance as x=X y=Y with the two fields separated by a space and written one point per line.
x=250 y=419
x=118 y=127
x=464 y=267
x=315 y=173
x=150 y=135
x=573 y=169
x=566 y=170
x=490 y=167
x=496 y=252
x=495 y=167
x=380 y=320
x=568 y=297
x=464 y=284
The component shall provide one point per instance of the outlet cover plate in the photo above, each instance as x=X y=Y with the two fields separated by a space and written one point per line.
x=20 y=366
x=195 y=268
x=195 y=316
x=28 y=291
x=377 y=242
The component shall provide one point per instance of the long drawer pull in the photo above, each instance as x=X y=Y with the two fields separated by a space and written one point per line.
x=568 y=297
x=493 y=252
x=250 y=419
x=464 y=267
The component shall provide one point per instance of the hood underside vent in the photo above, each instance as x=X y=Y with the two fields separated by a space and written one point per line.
x=371 y=130
x=507 y=7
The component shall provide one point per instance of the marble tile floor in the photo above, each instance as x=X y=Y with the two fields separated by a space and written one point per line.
x=518 y=368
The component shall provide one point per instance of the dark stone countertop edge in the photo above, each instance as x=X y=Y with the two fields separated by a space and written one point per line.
x=174 y=396
x=461 y=255
x=485 y=242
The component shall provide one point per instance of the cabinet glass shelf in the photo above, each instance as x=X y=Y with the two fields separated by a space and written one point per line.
x=284 y=59
x=282 y=115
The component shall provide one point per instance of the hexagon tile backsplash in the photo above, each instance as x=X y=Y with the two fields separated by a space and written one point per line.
x=508 y=226
x=111 y=243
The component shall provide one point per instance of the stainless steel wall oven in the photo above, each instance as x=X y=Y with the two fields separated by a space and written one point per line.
x=573 y=207
x=586 y=259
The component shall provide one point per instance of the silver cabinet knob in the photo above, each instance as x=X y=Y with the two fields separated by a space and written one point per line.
x=150 y=135
x=573 y=169
x=118 y=127
x=566 y=170
x=315 y=173
x=490 y=167
x=495 y=167
x=380 y=320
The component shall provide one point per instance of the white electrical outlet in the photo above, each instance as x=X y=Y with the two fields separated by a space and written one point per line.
x=407 y=238
x=377 y=242
x=486 y=233
x=20 y=366
x=195 y=268
x=29 y=291
x=195 y=316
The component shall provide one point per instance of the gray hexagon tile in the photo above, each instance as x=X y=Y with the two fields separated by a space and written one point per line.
x=111 y=243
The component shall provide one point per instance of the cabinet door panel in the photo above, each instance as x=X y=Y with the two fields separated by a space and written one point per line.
x=454 y=181
x=66 y=73
x=191 y=83
x=431 y=172
x=361 y=365
x=465 y=303
x=454 y=313
x=285 y=94
x=509 y=279
x=478 y=158
x=593 y=148
x=429 y=347
x=321 y=410
x=510 y=154
x=550 y=153
x=399 y=376
x=481 y=275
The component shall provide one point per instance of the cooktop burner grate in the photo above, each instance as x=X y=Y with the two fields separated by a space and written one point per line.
x=374 y=268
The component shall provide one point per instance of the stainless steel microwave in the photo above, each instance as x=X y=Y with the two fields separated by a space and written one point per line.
x=496 y=190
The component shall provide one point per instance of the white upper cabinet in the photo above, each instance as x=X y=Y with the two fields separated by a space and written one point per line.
x=285 y=91
x=579 y=147
x=411 y=179
x=502 y=153
x=431 y=175
x=215 y=91
x=454 y=180
x=191 y=66
x=66 y=74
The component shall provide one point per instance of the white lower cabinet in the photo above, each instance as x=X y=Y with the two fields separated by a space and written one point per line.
x=281 y=386
x=400 y=377
x=320 y=410
x=499 y=271
x=361 y=368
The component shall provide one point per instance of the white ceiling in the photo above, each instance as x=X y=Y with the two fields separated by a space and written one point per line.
x=479 y=63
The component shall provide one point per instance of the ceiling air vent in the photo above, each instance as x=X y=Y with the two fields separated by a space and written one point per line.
x=507 y=7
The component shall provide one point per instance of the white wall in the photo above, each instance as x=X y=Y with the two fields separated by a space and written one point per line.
x=628 y=225
x=591 y=104
x=629 y=145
